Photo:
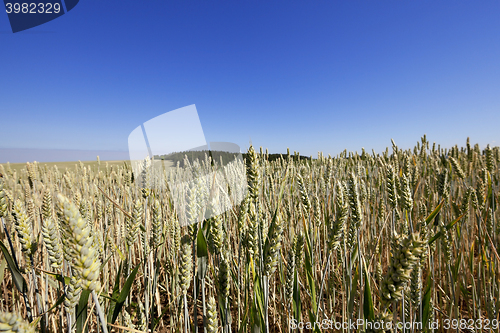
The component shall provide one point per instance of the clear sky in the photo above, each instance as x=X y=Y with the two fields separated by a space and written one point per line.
x=311 y=75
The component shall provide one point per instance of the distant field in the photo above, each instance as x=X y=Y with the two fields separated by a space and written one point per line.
x=67 y=165
x=71 y=165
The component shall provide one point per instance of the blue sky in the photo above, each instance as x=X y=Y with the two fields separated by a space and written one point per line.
x=310 y=75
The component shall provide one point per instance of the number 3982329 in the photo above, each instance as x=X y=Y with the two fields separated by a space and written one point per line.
x=33 y=8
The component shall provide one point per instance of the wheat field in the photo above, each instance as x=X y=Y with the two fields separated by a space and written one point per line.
x=386 y=241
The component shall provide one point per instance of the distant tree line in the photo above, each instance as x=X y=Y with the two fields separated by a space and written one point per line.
x=180 y=157
x=216 y=156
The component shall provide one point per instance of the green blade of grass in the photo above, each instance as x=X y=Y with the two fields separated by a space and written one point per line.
x=368 y=308
x=115 y=294
x=124 y=293
x=3 y=266
x=434 y=213
x=59 y=277
x=296 y=302
x=81 y=311
x=426 y=304
x=18 y=278
x=448 y=227
x=353 y=292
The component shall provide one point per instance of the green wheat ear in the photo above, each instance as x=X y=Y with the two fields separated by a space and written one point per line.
x=253 y=176
x=290 y=269
x=157 y=230
x=47 y=204
x=73 y=292
x=392 y=193
x=24 y=230
x=406 y=194
x=274 y=246
x=212 y=322
x=10 y=322
x=127 y=321
x=383 y=317
x=3 y=201
x=490 y=162
x=457 y=168
x=84 y=255
x=52 y=240
x=216 y=233
x=185 y=264
x=252 y=231
x=406 y=254
x=224 y=278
